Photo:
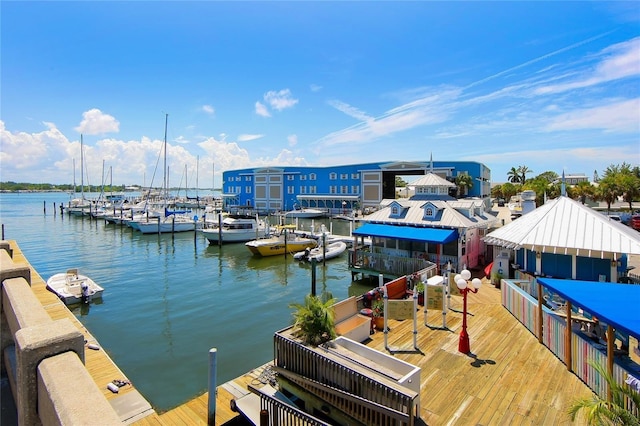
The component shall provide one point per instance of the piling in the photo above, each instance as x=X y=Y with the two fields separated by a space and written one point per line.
x=213 y=370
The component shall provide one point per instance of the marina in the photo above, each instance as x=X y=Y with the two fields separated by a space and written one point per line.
x=507 y=377
x=169 y=299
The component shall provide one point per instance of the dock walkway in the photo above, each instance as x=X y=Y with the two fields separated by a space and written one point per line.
x=509 y=379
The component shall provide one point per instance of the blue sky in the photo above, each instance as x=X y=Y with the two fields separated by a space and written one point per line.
x=550 y=85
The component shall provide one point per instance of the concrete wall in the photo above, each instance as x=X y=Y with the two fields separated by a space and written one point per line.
x=44 y=359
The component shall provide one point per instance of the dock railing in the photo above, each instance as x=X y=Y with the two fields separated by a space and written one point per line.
x=363 y=395
x=390 y=266
x=524 y=307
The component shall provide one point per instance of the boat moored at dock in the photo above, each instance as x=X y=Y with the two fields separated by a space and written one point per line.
x=72 y=287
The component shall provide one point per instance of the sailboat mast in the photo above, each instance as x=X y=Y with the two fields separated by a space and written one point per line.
x=166 y=190
x=81 y=168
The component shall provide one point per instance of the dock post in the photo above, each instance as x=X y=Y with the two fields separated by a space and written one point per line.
x=45 y=207
x=313 y=276
x=213 y=367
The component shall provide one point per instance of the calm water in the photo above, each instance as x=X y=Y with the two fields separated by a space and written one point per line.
x=169 y=299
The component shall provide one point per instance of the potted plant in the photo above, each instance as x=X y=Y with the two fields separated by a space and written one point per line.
x=315 y=320
x=419 y=288
x=496 y=277
x=377 y=312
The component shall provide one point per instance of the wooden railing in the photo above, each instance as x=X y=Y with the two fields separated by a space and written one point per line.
x=391 y=266
x=279 y=413
x=524 y=308
x=360 y=396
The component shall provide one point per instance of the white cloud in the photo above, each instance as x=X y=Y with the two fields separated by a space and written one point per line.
x=618 y=117
x=292 y=139
x=95 y=122
x=262 y=110
x=208 y=109
x=280 y=100
x=181 y=139
x=247 y=138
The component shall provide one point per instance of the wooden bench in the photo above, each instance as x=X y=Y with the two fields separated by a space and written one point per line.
x=349 y=322
x=397 y=289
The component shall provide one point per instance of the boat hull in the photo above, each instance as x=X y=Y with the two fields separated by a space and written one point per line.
x=277 y=246
x=69 y=288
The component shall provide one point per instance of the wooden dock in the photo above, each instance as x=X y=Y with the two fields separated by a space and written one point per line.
x=509 y=379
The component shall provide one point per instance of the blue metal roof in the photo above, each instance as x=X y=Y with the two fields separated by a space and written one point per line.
x=432 y=235
x=615 y=304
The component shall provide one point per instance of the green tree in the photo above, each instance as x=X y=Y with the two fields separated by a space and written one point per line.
x=513 y=175
x=464 y=182
x=509 y=190
x=523 y=171
x=549 y=176
x=496 y=192
x=598 y=411
x=315 y=319
x=607 y=191
x=628 y=180
x=582 y=191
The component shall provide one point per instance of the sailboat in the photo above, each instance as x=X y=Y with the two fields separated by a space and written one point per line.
x=79 y=206
x=169 y=221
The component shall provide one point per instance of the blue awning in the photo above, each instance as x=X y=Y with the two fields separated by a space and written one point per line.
x=614 y=304
x=432 y=235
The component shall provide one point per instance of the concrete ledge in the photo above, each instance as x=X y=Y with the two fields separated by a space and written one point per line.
x=6 y=246
x=34 y=344
x=20 y=306
x=9 y=269
x=67 y=395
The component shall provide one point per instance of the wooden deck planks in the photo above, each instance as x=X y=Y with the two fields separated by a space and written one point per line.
x=510 y=379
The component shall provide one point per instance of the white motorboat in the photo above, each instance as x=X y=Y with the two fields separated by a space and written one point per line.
x=304 y=213
x=168 y=224
x=235 y=229
x=72 y=287
x=321 y=253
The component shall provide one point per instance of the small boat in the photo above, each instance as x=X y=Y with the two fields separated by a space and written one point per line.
x=304 y=213
x=72 y=287
x=281 y=244
x=235 y=229
x=321 y=253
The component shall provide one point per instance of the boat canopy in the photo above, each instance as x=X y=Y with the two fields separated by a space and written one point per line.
x=432 y=235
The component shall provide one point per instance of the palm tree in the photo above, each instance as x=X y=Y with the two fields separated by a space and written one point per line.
x=464 y=183
x=315 y=319
x=607 y=191
x=523 y=170
x=597 y=411
x=583 y=190
x=513 y=175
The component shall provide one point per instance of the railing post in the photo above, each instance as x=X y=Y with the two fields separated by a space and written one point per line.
x=213 y=361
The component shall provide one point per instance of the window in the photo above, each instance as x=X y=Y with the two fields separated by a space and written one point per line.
x=395 y=210
x=238 y=190
x=247 y=189
x=428 y=212
x=290 y=190
x=312 y=189
x=355 y=189
x=355 y=175
x=291 y=177
x=303 y=189
x=344 y=176
x=332 y=189
x=344 y=189
x=247 y=178
x=312 y=176
x=303 y=177
x=333 y=176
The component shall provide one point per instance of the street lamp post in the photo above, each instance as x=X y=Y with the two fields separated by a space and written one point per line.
x=462 y=281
